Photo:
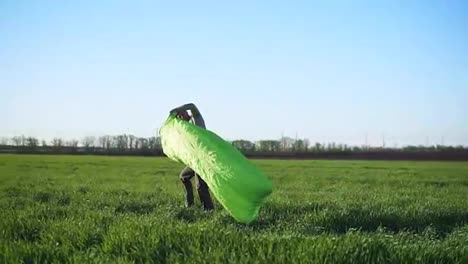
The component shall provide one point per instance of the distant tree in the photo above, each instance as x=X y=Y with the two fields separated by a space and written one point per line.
x=57 y=142
x=44 y=143
x=339 y=147
x=274 y=145
x=19 y=140
x=261 y=145
x=72 y=143
x=306 y=144
x=286 y=143
x=411 y=148
x=158 y=143
x=269 y=145
x=121 y=142
x=32 y=142
x=4 y=141
x=131 y=142
x=111 y=142
x=107 y=142
x=155 y=143
x=137 y=143
x=143 y=143
x=317 y=147
x=298 y=145
x=152 y=143
x=301 y=145
x=88 y=142
x=243 y=145
x=102 y=142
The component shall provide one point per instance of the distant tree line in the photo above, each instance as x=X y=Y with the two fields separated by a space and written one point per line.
x=287 y=144
x=284 y=147
x=104 y=144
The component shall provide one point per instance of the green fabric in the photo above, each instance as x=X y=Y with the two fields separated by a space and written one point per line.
x=236 y=183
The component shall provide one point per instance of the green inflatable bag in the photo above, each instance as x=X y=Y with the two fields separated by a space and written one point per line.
x=236 y=183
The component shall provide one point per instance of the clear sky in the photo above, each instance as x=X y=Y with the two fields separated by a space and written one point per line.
x=328 y=70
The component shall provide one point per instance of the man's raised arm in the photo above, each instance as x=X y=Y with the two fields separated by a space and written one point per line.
x=196 y=115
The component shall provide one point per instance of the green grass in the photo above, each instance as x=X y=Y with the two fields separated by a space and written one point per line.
x=127 y=209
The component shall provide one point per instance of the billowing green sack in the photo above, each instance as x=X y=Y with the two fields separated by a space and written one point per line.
x=235 y=182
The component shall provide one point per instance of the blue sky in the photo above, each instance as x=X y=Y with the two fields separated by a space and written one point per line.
x=328 y=70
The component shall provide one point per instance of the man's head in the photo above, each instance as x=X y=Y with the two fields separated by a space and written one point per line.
x=183 y=115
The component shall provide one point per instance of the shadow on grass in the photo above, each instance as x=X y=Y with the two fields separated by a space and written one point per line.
x=315 y=218
x=442 y=222
x=186 y=215
x=13 y=192
x=139 y=208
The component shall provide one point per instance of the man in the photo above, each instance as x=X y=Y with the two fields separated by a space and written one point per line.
x=187 y=173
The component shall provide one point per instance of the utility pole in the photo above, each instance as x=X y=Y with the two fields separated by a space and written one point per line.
x=283 y=144
x=295 y=143
x=365 y=144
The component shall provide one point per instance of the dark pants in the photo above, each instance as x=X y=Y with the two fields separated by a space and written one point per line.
x=203 y=192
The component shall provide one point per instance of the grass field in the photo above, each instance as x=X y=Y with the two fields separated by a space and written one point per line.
x=129 y=209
